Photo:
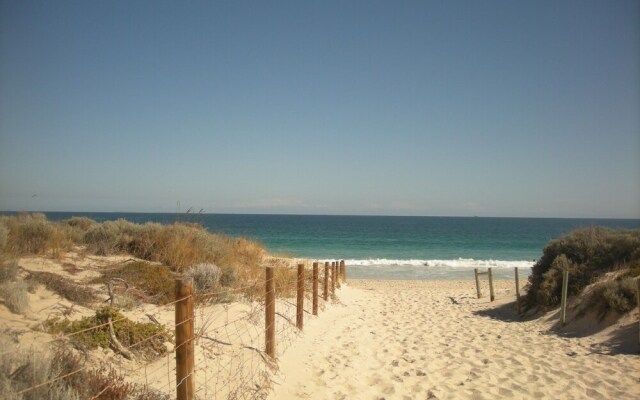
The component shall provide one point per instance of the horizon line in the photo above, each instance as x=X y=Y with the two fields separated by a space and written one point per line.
x=314 y=215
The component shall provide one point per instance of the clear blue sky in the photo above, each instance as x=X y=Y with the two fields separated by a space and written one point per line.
x=488 y=108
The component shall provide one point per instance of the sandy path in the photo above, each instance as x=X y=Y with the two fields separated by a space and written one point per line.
x=424 y=340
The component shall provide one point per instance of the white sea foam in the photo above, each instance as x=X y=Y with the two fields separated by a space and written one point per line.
x=455 y=263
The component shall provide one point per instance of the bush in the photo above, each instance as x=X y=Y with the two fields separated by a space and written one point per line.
x=616 y=295
x=15 y=296
x=155 y=282
x=21 y=370
x=28 y=233
x=9 y=271
x=69 y=376
x=588 y=254
x=82 y=223
x=206 y=277
x=177 y=245
x=145 y=339
x=102 y=239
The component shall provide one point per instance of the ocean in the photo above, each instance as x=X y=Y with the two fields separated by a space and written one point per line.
x=379 y=247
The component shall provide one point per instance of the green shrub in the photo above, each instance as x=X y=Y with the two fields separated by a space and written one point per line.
x=141 y=338
x=156 y=282
x=616 y=295
x=588 y=253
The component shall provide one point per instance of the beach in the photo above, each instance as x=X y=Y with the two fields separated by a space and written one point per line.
x=436 y=340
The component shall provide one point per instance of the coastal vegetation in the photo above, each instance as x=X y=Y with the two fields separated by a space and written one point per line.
x=177 y=245
x=605 y=260
x=146 y=339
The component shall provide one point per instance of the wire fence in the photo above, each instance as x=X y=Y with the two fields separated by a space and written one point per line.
x=218 y=350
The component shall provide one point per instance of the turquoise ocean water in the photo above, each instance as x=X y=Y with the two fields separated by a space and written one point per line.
x=391 y=247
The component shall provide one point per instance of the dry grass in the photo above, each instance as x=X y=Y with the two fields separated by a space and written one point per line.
x=20 y=370
x=178 y=245
x=34 y=234
x=151 y=283
x=9 y=271
x=15 y=296
x=4 y=235
x=64 y=287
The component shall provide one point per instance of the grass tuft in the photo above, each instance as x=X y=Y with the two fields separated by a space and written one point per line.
x=15 y=295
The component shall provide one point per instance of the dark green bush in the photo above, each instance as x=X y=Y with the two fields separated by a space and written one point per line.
x=588 y=254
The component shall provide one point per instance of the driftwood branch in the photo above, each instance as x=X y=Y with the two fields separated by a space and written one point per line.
x=110 y=288
x=115 y=343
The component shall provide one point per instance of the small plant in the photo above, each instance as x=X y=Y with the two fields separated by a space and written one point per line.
x=206 y=277
x=15 y=296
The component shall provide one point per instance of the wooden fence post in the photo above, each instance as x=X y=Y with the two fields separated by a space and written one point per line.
x=326 y=281
x=185 y=353
x=343 y=266
x=517 y=290
x=270 y=314
x=492 y=294
x=333 y=277
x=338 y=273
x=475 y=271
x=315 y=288
x=638 y=301
x=565 y=287
x=300 y=302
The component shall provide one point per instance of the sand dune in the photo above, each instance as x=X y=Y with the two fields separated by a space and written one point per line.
x=431 y=340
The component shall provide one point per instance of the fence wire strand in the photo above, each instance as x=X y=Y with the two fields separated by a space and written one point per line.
x=229 y=341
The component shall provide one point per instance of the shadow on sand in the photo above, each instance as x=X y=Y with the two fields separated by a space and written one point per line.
x=621 y=339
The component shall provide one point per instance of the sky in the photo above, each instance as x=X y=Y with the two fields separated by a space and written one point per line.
x=437 y=108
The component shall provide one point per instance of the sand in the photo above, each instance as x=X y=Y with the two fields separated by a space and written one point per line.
x=435 y=340
x=377 y=339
